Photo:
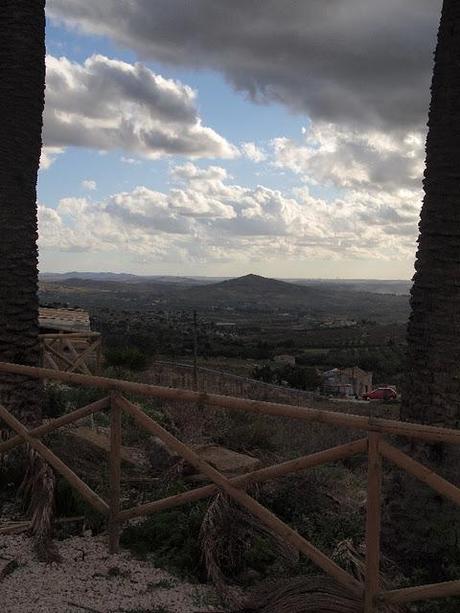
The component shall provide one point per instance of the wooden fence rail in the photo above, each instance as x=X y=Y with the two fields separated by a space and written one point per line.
x=346 y=420
x=72 y=352
x=374 y=445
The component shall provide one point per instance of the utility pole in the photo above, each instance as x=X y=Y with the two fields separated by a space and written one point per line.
x=195 y=352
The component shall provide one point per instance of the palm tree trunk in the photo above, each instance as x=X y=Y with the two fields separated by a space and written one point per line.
x=432 y=389
x=22 y=90
x=22 y=62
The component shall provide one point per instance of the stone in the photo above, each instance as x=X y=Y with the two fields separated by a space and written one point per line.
x=226 y=461
x=159 y=455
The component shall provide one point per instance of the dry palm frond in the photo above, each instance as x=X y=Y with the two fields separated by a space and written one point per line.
x=227 y=534
x=316 y=594
x=38 y=488
x=302 y=595
x=353 y=559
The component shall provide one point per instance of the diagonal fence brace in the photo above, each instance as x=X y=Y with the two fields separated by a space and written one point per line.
x=53 y=425
x=254 y=507
x=242 y=481
x=421 y=472
x=59 y=466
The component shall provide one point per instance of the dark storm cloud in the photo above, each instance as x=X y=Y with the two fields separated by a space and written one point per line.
x=366 y=61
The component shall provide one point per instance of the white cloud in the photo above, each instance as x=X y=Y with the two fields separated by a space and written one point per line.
x=350 y=158
x=107 y=104
x=89 y=184
x=206 y=218
x=253 y=152
x=48 y=156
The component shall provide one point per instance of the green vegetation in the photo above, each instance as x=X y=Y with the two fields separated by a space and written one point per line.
x=131 y=358
x=245 y=432
x=321 y=504
x=426 y=548
x=248 y=319
x=170 y=539
x=304 y=378
x=70 y=504
x=244 y=552
x=324 y=505
x=306 y=502
x=61 y=399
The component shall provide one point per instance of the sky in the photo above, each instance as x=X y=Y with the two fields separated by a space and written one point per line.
x=277 y=137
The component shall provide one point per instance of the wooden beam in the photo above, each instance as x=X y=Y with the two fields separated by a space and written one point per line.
x=115 y=475
x=421 y=472
x=64 y=420
x=262 y=474
x=82 y=335
x=48 y=345
x=254 y=507
x=81 y=359
x=50 y=360
x=346 y=420
x=84 y=490
x=73 y=351
x=58 y=354
x=421 y=592
x=98 y=345
x=374 y=485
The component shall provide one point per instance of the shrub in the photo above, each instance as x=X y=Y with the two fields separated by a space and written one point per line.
x=422 y=539
x=245 y=432
x=61 y=399
x=56 y=400
x=306 y=502
x=300 y=377
x=70 y=504
x=170 y=539
x=235 y=545
x=126 y=357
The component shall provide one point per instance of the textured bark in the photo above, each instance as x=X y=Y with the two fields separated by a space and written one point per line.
x=22 y=88
x=22 y=95
x=432 y=389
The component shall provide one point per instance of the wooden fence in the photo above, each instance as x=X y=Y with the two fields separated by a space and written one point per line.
x=374 y=445
x=211 y=381
x=72 y=351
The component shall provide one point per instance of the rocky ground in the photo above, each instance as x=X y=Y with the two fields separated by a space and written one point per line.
x=89 y=579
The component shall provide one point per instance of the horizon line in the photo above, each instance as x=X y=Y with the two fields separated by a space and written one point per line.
x=198 y=276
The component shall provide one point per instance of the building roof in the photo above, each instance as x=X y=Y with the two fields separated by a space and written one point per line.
x=68 y=320
x=354 y=371
x=351 y=371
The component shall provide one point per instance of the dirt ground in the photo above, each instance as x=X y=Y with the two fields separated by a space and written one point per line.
x=90 y=579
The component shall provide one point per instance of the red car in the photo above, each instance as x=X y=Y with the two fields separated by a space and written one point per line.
x=381 y=393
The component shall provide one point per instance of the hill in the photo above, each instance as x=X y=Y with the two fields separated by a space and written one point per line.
x=254 y=285
x=254 y=292
x=248 y=294
x=120 y=277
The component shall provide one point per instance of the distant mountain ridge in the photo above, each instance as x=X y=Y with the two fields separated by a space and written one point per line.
x=257 y=282
x=250 y=293
x=123 y=277
x=257 y=293
x=378 y=286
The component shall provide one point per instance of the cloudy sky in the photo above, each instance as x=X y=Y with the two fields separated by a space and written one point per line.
x=217 y=137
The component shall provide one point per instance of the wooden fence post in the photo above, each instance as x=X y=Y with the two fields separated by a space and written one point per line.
x=374 y=486
x=115 y=474
x=98 y=356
